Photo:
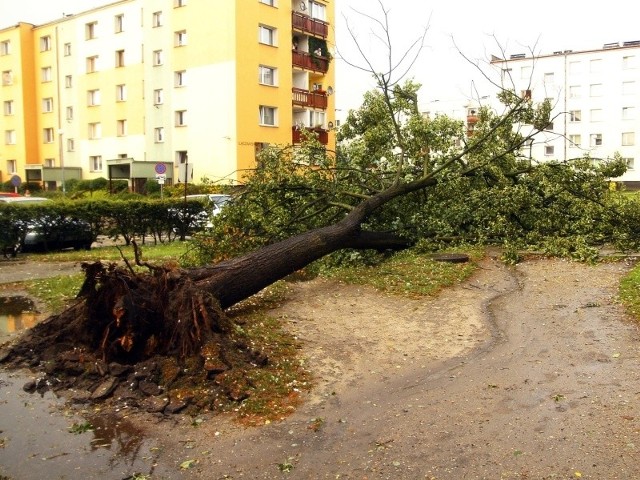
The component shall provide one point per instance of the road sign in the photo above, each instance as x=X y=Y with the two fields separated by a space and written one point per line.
x=16 y=181
x=160 y=168
x=160 y=178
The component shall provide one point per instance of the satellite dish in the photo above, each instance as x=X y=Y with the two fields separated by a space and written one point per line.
x=330 y=91
x=303 y=6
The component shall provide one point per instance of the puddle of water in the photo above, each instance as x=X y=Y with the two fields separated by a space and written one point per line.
x=37 y=439
x=17 y=313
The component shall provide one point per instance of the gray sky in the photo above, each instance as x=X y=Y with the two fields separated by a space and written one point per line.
x=476 y=28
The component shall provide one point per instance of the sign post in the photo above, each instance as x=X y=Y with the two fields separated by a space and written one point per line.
x=16 y=181
x=161 y=176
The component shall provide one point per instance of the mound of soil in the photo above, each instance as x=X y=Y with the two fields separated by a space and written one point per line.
x=150 y=341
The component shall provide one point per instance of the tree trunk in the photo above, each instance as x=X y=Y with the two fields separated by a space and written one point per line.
x=236 y=279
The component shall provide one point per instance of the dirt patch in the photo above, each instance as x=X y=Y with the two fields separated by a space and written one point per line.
x=525 y=372
x=519 y=373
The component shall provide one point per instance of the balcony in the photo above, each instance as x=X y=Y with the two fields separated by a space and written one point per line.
x=310 y=62
x=472 y=119
x=307 y=99
x=323 y=135
x=306 y=24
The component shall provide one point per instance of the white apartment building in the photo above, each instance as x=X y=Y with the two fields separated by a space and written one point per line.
x=596 y=102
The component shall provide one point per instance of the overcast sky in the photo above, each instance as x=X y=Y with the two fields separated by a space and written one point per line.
x=476 y=28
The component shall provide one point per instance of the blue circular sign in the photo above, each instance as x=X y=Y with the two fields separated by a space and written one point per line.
x=160 y=168
x=16 y=181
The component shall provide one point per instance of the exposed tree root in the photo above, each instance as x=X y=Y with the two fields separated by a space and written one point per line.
x=134 y=335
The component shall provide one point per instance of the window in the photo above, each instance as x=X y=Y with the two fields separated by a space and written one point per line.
x=268 y=2
x=10 y=137
x=317 y=10
x=548 y=78
x=7 y=77
x=12 y=166
x=68 y=81
x=95 y=163
x=121 y=128
x=629 y=88
x=157 y=19
x=525 y=72
x=595 y=90
x=121 y=93
x=316 y=119
x=67 y=49
x=158 y=134
x=596 y=139
x=181 y=118
x=267 y=35
x=118 y=22
x=92 y=64
x=157 y=96
x=629 y=62
x=548 y=150
x=8 y=107
x=93 y=98
x=5 y=47
x=628 y=113
x=45 y=74
x=595 y=66
x=47 y=135
x=95 y=130
x=49 y=162
x=47 y=105
x=526 y=94
x=630 y=163
x=575 y=116
x=628 y=139
x=157 y=57
x=575 y=140
x=595 y=115
x=71 y=145
x=575 y=91
x=69 y=113
x=45 y=43
x=575 y=67
x=179 y=3
x=181 y=157
x=180 y=38
x=267 y=75
x=90 y=30
x=180 y=78
x=119 y=58
x=268 y=115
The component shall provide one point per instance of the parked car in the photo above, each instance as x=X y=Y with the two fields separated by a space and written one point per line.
x=214 y=203
x=217 y=200
x=48 y=233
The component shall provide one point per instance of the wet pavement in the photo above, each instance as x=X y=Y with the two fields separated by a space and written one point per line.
x=41 y=438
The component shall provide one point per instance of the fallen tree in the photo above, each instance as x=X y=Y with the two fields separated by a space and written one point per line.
x=134 y=335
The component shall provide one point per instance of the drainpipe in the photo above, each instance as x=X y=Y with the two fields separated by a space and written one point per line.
x=60 y=129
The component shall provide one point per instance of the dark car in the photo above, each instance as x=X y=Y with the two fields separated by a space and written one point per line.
x=47 y=233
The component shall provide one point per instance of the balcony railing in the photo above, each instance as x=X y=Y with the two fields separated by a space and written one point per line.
x=307 y=99
x=296 y=134
x=310 y=62
x=309 y=25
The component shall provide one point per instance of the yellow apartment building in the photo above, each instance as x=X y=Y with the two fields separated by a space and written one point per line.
x=176 y=89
